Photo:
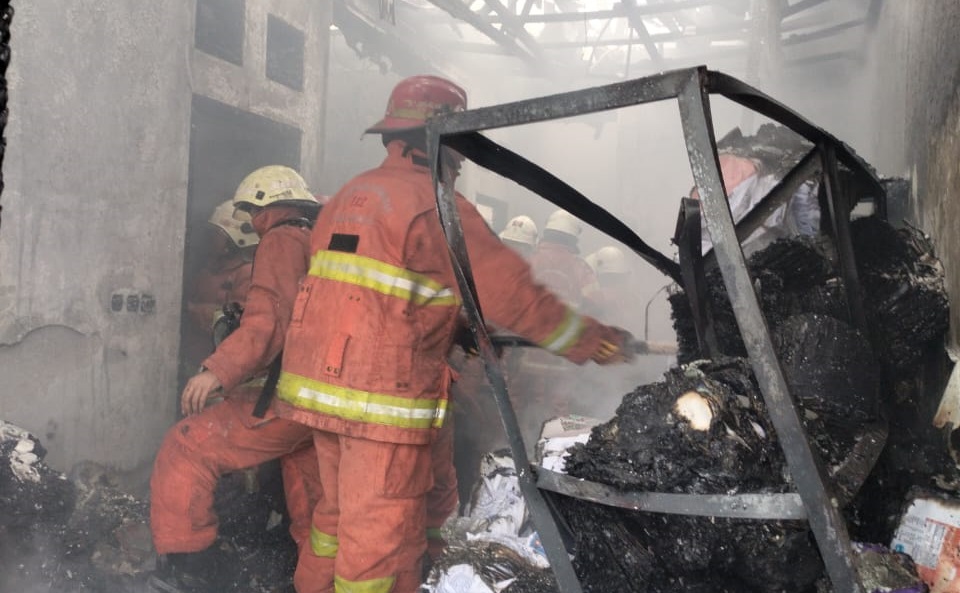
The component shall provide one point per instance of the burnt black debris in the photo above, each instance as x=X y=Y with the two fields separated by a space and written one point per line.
x=904 y=296
x=650 y=445
x=704 y=429
x=830 y=368
x=661 y=441
x=774 y=147
x=636 y=552
x=493 y=563
x=82 y=532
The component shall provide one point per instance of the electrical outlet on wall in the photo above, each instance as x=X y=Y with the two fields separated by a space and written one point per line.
x=133 y=302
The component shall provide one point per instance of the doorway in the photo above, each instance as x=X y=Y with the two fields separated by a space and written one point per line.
x=226 y=144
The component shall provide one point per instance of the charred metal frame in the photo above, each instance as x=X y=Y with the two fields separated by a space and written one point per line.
x=6 y=18
x=691 y=88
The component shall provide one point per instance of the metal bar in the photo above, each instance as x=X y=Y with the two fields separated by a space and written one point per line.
x=462 y=12
x=808 y=166
x=640 y=347
x=354 y=23
x=752 y=98
x=689 y=245
x=496 y=158
x=822 y=33
x=512 y=25
x=780 y=506
x=777 y=506
x=854 y=55
x=550 y=536
x=601 y=98
x=853 y=471
x=796 y=7
x=616 y=11
x=6 y=19
x=840 y=221
x=731 y=32
x=806 y=469
x=636 y=23
x=873 y=15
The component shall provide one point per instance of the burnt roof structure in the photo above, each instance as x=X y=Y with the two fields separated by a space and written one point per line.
x=612 y=37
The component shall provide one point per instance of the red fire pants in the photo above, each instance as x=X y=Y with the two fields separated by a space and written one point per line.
x=377 y=503
x=226 y=437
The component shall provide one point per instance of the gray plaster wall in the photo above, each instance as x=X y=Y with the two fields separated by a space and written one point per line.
x=96 y=182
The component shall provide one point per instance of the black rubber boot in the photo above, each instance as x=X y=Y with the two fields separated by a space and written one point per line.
x=193 y=572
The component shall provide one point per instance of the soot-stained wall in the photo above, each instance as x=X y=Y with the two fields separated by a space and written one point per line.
x=916 y=128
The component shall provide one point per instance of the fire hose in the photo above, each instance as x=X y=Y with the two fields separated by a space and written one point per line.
x=639 y=347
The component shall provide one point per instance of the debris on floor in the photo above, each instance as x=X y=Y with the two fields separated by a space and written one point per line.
x=704 y=429
x=83 y=533
x=929 y=531
x=492 y=547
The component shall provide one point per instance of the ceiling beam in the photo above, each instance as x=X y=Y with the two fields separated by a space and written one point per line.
x=461 y=11
x=512 y=25
x=637 y=24
x=379 y=44
x=576 y=17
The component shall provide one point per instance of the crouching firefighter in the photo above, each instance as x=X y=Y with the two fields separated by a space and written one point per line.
x=365 y=357
x=227 y=436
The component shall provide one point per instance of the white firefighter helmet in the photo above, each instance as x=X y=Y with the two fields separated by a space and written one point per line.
x=236 y=226
x=564 y=222
x=608 y=260
x=273 y=184
x=520 y=229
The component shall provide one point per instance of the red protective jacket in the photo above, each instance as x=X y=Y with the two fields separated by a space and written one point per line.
x=565 y=273
x=375 y=317
x=213 y=289
x=282 y=259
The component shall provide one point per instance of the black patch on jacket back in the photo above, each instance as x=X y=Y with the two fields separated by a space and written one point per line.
x=345 y=243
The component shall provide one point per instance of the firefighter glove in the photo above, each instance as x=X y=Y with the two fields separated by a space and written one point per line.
x=616 y=346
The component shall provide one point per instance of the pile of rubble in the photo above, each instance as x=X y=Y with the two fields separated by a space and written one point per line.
x=82 y=532
x=705 y=429
x=905 y=300
x=65 y=534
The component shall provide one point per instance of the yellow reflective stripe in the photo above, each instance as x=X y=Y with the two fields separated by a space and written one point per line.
x=323 y=544
x=381 y=277
x=565 y=334
x=360 y=406
x=384 y=585
x=434 y=533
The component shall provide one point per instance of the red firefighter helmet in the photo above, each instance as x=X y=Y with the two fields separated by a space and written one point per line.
x=416 y=99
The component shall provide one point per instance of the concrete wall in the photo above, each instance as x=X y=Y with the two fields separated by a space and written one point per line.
x=917 y=121
x=96 y=172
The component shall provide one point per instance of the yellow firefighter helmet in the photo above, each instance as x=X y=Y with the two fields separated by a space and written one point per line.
x=236 y=226
x=273 y=184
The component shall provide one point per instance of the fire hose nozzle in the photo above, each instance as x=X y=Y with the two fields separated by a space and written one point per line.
x=656 y=348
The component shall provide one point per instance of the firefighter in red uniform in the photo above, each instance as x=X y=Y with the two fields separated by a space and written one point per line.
x=473 y=403
x=223 y=280
x=520 y=234
x=226 y=436
x=617 y=296
x=374 y=385
x=543 y=386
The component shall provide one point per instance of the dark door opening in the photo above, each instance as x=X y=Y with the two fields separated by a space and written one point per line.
x=226 y=144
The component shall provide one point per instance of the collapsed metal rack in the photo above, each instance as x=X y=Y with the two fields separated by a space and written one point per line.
x=691 y=88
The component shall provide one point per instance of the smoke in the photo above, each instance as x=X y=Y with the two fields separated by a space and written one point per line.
x=630 y=161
